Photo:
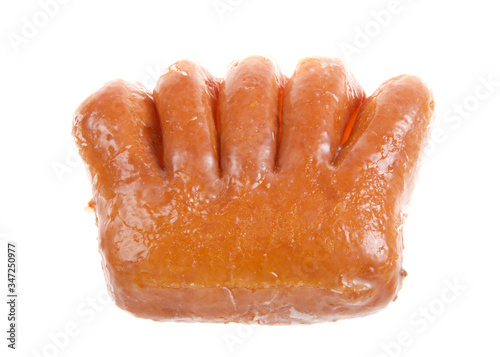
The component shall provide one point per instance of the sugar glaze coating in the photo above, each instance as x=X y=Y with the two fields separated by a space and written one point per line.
x=237 y=199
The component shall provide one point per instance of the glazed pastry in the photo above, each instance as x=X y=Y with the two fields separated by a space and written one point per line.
x=254 y=198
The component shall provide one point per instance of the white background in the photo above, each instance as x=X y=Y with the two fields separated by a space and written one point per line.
x=451 y=235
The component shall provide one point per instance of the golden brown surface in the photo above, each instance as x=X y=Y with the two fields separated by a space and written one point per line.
x=233 y=200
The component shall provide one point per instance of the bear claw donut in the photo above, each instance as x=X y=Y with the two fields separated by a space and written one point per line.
x=255 y=198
